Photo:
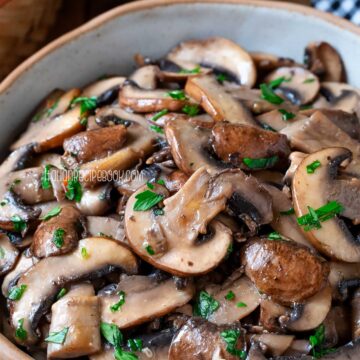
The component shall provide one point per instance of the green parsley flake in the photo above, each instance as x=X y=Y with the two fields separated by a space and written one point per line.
x=205 y=305
x=159 y=114
x=45 y=180
x=121 y=354
x=310 y=169
x=291 y=211
x=230 y=295
x=268 y=94
x=221 y=78
x=177 y=94
x=61 y=293
x=135 y=344
x=17 y=292
x=313 y=220
x=157 y=129
x=150 y=185
x=2 y=253
x=58 y=237
x=148 y=248
x=20 y=332
x=87 y=104
x=317 y=342
x=117 y=306
x=195 y=70
x=286 y=115
x=73 y=188
x=274 y=236
x=58 y=337
x=231 y=338
x=241 y=304
x=161 y=182
x=191 y=110
x=309 y=81
x=14 y=183
x=84 y=253
x=18 y=223
x=261 y=163
x=146 y=200
x=54 y=212
x=111 y=333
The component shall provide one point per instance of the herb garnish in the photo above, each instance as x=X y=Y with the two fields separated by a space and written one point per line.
x=261 y=162
x=120 y=354
x=86 y=103
x=73 y=188
x=150 y=185
x=17 y=292
x=241 y=304
x=177 y=94
x=310 y=169
x=195 y=70
x=20 y=332
x=146 y=200
x=159 y=114
x=231 y=338
x=18 y=223
x=268 y=94
x=148 y=248
x=221 y=78
x=54 y=212
x=58 y=237
x=45 y=180
x=191 y=110
x=47 y=112
x=15 y=182
x=286 y=115
x=58 y=337
x=120 y=303
x=135 y=344
x=317 y=343
x=84 y=253
x=314 y=218
x=2 y=253
x=230 y=295
x=157 y=129
x=205 y=305
x=61 y=293
x=274 y=236
x=291 y=211
x=161 y=182
x=309 y=81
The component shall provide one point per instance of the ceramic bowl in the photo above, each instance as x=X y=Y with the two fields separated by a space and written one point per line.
x=108 y=43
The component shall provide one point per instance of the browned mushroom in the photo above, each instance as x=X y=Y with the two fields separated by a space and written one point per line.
x=145 y=77
x=355 y=315
x=8 y=255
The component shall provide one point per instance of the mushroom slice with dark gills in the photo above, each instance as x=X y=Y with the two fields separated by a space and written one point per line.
x=175 y=240
x=202 y=340
x=93 y=258
x=17 y=160
x=115 y=115
x=95 y=144
x=318 y=132
x=58 y=235
x=355 y=314
x=312 y=194
x=248 y=147
x=275 y=344
x=218 y=53
x=8 y=255
x=284 y=270
x=77 y=315
x=218 y=103
x=143 y=101
x=299 y=86
x=145 y=77
x=110 y=227
x=140 y=142
x=145 y=298
x=324 y=61
x=95 y=201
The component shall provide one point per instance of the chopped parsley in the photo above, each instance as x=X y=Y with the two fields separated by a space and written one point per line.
x=54 y=212
x=120 y=354
x=157 y=129
x=205 y=305
x=111 y=333
x=317 y=343
x=14 y=183
x=2 y=253
x=57 y=337
x=261 y=162
x=191 y=110
x=83 y=121
x=117 y=306
x=18 y=223
x=73 y=188
x=230 y=295
x=20 y=332
x=58 y=237
x=306 y=107
x=177 y=94
x=148 y=248
x=84 y=253
x=45 y=180
x=241 y=304
x=231 y=338
x=314 y=218
x=310 y=169
x=195 y=70
x=309 y=81
x=45 y=112
x=161 y=182
x=159 y=114
x=17 y=292
x=291 y=211
x=146 y=200
x=278 y=81
x=286 y=115
x=268 y=94
x=86 y=103
x=150 y=185
x=61 y=293
x=221 y=78
x=135 y=344
x=274 y=236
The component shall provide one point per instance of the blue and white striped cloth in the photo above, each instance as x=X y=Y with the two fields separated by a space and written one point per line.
x=348 y=9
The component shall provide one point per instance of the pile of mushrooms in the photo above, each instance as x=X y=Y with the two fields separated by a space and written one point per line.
x=204 y=207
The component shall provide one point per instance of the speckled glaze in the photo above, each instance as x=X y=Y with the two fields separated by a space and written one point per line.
x=108 y=43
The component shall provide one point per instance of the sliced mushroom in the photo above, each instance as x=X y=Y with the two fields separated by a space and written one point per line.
x=8 y=255
x=78 y=312
x=95 y=201
x=115 y=115
x=277 y=119
x=175 y=181
x=298 y=348
x=46 y=159
x=146 y=299
x=17 y=160
x=106 y=227
x=105 y=90
x=145 y=77
x=270 y=315
x=228 y=312
x=103 y=256
x=275 y=344
x=58 y=235
x=95 y=144
x=324 y=61
x=318 y=132
x=142 y=100
x=216 y=101
x=202 y=340
x=234 y=142
x=293 y=274
x=296 y=157
x=191 y=209
x=355 y=315
x=312 y=313
x=333 y=238
x=300 y=85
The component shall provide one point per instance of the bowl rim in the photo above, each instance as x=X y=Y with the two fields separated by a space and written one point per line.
x=7 y=345
x=135 y=6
